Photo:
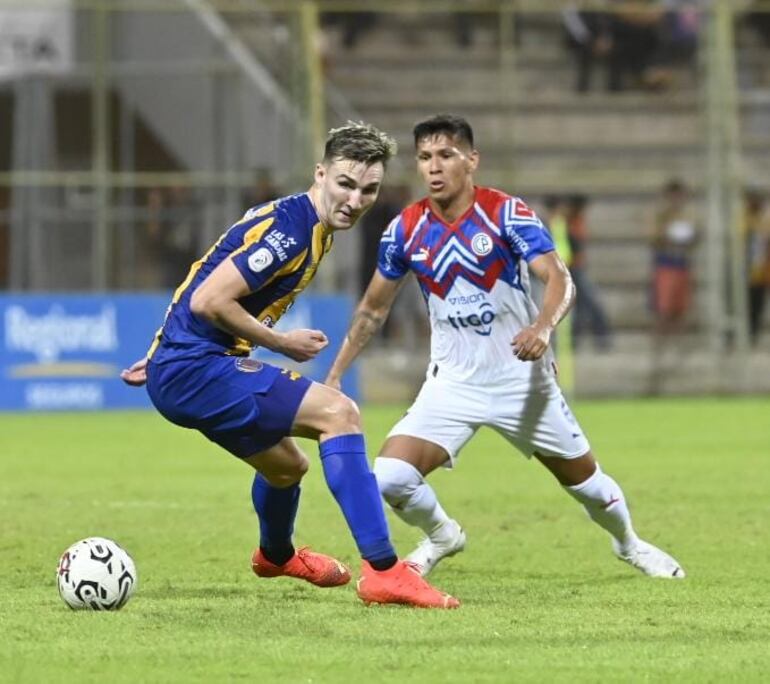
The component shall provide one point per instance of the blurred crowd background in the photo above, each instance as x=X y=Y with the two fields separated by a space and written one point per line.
x=133 y=134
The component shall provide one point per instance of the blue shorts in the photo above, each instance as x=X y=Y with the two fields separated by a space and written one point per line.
x=243 y=405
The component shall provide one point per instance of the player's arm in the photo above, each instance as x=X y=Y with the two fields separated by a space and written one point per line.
x=216 y=300
x=531 y=342
x=371 y=312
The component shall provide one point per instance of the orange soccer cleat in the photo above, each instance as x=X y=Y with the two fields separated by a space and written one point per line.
x=401 y=584
x=316 y=568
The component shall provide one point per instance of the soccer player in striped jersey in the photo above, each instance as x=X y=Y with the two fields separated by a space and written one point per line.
x=472 y=250
x=199 y=374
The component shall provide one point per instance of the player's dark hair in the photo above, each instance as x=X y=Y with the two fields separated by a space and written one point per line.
x=451 y=125
x=359 y=142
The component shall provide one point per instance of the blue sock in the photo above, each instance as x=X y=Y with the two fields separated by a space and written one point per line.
x=355 y=489
x=276 y=509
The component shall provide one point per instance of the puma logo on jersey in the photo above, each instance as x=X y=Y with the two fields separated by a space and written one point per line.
x=422 y=255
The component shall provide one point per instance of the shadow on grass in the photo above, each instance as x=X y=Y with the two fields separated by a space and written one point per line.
x=176 y=593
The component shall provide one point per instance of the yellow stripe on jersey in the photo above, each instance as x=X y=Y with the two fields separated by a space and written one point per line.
x=243 y=347
x=249 y=215
x=254 y=235
x=320 y=247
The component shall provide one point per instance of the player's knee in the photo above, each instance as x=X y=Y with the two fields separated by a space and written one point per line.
x=343 y=416
x=287 y=473
x=396 y=479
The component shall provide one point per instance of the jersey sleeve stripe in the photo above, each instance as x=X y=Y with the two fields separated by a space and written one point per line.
x=390 y=232
x=254 y=235
x=251 y=214
x=510 y=217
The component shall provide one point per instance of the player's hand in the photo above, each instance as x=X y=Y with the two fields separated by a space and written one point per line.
x=136 y=375
x=531 y=342
x=302 y=344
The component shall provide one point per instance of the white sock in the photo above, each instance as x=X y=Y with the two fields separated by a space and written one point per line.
x=411 y=498
x=604 y=502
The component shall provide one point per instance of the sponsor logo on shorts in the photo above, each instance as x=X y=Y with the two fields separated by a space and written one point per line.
x=481 y=244
x=260 y=260
x=480 y=322
x=248 y=365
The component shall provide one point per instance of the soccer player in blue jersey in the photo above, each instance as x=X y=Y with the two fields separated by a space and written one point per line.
x=199 y=374
x=472 y=250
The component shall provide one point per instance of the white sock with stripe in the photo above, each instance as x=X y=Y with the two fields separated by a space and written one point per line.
x=605 y=503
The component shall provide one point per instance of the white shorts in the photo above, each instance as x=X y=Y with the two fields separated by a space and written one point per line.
x=533 y=419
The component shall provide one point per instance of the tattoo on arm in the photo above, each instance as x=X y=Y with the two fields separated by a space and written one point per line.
x=364 y=325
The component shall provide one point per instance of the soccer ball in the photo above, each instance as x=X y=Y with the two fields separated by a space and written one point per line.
x=96 y=574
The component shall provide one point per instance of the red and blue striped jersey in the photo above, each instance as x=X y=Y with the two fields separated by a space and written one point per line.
x=473 y=276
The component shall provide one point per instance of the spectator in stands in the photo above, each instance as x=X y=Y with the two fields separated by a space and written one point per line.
x=756 y=227
x=674 y=236
x=589 y=36
x=465 y=23
x=353 y=24
x=588 y=312
x=262 y=190
x=634 y=26
x=174 y=228
x=677 y=43
x=760 y=22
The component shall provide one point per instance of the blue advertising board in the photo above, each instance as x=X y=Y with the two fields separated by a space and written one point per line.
x=65 y=351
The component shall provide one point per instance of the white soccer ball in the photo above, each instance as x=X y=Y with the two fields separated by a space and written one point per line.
x=96 y=574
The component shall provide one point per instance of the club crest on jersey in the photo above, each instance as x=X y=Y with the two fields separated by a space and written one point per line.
x=248 y=365
x=481 y=244
x=260 y=260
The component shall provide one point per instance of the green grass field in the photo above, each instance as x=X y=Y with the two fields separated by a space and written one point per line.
x=543 y=598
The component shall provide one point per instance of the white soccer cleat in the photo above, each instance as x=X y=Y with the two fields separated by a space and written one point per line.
x=650 y=560
x=448 y=540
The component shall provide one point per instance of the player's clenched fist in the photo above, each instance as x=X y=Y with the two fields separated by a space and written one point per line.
x=302 y=344
x=531 y=342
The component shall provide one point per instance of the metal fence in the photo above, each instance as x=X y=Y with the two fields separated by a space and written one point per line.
x=132 y=133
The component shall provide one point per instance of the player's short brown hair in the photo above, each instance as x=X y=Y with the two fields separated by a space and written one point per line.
x=359 y=142
x=450 y=125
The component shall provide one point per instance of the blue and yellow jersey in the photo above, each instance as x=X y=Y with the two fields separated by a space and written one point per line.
x=277 y=248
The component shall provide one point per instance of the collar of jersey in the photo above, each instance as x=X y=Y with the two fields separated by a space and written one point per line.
x=460 y=219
